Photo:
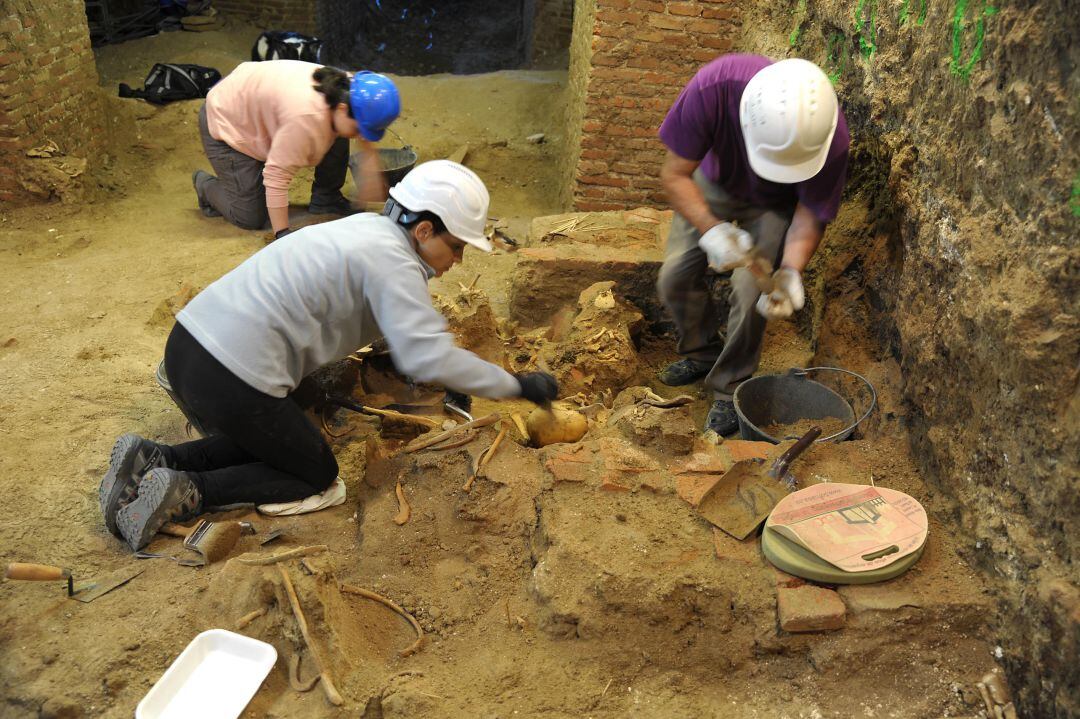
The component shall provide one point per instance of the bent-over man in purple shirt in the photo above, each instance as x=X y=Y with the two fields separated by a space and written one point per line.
x=757 y=158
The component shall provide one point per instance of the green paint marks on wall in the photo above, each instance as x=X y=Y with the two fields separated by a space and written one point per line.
x=962 y=68
x=1074 y=198
x=905 y=12
x=866 y=27
x=800 y=18
x=836 y=58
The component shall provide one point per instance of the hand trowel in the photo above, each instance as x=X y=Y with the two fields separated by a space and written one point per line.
x=741 y=500
x=85 y=592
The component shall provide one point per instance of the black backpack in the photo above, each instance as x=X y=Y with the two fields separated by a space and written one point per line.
x=286 y=45
x=170 y=82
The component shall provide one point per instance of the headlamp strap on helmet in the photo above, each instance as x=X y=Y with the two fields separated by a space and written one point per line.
x=399 y=214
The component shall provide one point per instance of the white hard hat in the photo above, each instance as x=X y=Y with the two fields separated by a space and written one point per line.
x=451 y=191
x=788 y=114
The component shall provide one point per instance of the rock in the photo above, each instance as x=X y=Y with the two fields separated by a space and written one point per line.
x=669 y=430
x=887 y=596
x=809 y=608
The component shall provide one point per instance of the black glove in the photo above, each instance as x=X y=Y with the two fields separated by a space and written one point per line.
x=538 y=387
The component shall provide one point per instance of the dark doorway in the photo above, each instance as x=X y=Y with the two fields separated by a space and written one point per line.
x=421 y=37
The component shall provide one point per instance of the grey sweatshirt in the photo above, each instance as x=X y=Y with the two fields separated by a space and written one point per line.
x=324 y=291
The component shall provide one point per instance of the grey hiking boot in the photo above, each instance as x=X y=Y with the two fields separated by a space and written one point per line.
x=165 y=495
x=722 y=418
x=685 y=371
x=131 y=458
x=197 y=178
x=338 y=205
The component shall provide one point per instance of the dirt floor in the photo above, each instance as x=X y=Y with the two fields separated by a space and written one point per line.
x=572 y=581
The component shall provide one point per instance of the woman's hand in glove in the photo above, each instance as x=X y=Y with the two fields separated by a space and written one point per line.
x=538 y=387
x=787 y=295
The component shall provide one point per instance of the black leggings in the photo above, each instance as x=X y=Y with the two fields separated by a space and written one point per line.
x=263 y=449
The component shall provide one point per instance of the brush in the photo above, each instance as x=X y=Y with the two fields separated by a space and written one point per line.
x=212 y=540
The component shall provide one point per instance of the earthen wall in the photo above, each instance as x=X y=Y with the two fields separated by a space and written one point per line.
x=295 y=15
x=48 y=94
x=957 y=250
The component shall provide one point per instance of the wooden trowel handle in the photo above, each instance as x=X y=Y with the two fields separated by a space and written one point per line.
x=35 y=572
x=794 y=451
x=175 y=530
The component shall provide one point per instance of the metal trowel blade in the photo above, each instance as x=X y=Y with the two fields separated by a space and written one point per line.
x=92 y=590
x=741 y=500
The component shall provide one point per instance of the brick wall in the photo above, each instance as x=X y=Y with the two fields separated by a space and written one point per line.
x=48 y=92
x=552 y=24
x=297 y=15
x=628 y=61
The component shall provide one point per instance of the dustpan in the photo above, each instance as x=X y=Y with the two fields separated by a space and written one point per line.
x=215 y=677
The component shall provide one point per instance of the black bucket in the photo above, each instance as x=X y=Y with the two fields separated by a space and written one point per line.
x=396 y=163
x=789 y=398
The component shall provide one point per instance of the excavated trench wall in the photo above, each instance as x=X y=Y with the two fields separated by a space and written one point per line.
x=48 y=93
x=955 y=258
x=965 y=167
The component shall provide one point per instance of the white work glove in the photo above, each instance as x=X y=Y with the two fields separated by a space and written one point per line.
x=726 y=246
x=787 y=295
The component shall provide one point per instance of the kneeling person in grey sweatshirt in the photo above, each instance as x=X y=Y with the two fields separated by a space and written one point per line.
x=244 y=343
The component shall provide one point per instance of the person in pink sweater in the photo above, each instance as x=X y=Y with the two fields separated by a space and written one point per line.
x=266 y=120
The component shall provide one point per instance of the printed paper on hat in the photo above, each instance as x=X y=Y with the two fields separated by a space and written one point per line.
x=852 y=526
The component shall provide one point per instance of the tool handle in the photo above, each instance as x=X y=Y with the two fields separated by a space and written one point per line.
x=35 y=572
x=782 y=462
x=761 y=269
x=175 y=530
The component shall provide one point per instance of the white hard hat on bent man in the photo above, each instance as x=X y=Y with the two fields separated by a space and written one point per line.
x=756 y=163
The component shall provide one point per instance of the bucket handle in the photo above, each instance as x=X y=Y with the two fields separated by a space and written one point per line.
x=873 y=395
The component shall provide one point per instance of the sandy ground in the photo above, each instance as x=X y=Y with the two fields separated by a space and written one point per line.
x=646 y=613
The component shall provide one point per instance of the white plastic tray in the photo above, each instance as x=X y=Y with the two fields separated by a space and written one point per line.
x=213 y=678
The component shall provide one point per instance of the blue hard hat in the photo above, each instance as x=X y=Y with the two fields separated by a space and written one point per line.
x=375 y=103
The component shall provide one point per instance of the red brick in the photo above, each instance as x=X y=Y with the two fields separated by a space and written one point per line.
x=603 y=180
x=740 y=449
x=606 y=60
x=652 y=36
x=647 y=5
x=622 y=18
x=645 y=62
x=723 y=13
x=704 y=26
x=719 y=43
x=597 y=154
x=809 y=608
x=684 y=8
x=704 y=55
x=598 y=206
x=667 y=22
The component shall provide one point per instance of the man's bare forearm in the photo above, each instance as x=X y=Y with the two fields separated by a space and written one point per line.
x=803 y=237
x=685 y=196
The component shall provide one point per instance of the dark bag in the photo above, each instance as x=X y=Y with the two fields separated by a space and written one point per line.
x=168 y=83
x=286 y=45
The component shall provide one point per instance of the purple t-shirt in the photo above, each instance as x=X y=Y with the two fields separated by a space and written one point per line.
x=703 y=124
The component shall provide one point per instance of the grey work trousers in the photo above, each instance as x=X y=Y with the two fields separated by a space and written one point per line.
x=686 y=295
x=238 y=192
